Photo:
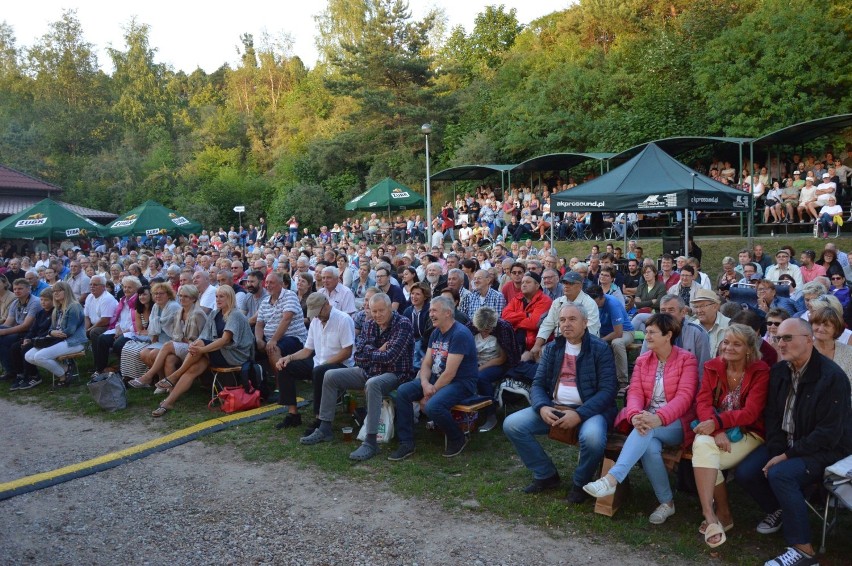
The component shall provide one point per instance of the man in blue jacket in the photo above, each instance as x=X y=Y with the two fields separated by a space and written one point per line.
x=575 y=386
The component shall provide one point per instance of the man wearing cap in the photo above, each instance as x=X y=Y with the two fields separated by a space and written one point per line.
x=705 y=306
x=384 y=350
x=616 y=329
x=572 y=288
x=331 y=337
x=483 y=295
x=825 y=189
x=783 y=266
x=790 y=198
x=525 y=311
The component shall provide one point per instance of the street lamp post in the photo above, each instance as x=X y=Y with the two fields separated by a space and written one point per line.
x=426 y=129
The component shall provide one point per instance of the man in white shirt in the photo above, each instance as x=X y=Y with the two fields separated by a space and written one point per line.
x=79 y=281
x=783 y=266
x=206 y=291
x=825 y=189
x=337 y=294
x=330 y=342
x=99 y=308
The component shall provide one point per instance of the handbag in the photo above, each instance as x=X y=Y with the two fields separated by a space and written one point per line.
x=235 y=399
x=569 y=436
x=46 y=341
x=108 y=391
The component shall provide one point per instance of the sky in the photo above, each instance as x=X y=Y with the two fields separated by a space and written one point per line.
x=189 y=34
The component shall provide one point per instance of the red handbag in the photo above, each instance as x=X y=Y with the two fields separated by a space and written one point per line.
x=235 y=399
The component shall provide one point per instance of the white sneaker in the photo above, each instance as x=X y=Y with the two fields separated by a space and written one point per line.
x=599 y=488
x=661 y=513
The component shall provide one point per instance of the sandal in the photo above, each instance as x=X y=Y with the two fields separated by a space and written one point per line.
x=703 y=527
x=136 y=384
x=165 y=384
x=160 y=411
x=715 y=530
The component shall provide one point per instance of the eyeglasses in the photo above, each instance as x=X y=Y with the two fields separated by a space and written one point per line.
x=789 y=337
x=517 y=272
x=773 y=323
x=836 y=277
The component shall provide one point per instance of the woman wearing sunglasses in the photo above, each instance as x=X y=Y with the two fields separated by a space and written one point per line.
x=839 y=288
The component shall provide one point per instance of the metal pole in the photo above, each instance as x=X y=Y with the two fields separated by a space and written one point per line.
x=750 y=235
x=427 y=129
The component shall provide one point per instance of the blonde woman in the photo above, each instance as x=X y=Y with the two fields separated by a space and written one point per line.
x=226 y=340
x=67 y=330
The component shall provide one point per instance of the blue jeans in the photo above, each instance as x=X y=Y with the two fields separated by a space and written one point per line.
x=523 y=426
x=826 y=223
x=437 y=408
x=649 y=448
x=782 y=488
x=485 y=384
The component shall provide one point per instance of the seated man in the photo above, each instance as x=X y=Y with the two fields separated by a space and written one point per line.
x=808 y=427
x=448 y=376
x=383 y=353
x=526 y=310
x=577 y=371
x=616 y=329
x=331 y=337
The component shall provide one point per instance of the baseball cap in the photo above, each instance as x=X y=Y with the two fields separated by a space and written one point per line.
x=572 y=277
x=705 y=295
x=315 y=303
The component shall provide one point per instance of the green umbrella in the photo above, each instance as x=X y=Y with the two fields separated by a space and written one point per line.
x=388 y=195
x=151 y=218
x=49 y=220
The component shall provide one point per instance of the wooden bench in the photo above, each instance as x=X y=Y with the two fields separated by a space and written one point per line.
x=217 y=371
x=469 y=410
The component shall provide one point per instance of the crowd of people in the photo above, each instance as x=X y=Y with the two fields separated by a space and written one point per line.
x=750 y=368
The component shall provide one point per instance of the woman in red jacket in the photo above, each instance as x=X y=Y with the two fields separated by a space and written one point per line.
x=660 y=406
x=730 y=423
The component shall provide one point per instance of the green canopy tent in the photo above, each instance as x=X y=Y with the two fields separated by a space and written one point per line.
x=48 y=220
x=387 y=195
x=151 y=218
x=652 y=181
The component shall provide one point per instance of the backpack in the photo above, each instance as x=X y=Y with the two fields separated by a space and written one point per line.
x=251 y=377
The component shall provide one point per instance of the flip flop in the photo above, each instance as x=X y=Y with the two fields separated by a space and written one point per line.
x=165 y=384
x=703 y=527
x=160 y=411
x=714 y=530
x=136 y=384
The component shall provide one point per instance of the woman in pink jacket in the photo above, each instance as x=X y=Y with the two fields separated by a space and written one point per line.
x=660 y=407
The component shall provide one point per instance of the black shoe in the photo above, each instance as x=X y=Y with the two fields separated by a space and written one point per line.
x=314 y=425
x=18 y=383
x=577 y=495
x=30 y=383
x=537 y=486
x=401 y=453
x=290 y=421
x=8 y=377
x=453 y=449
x=793 y=557
x=771 y=523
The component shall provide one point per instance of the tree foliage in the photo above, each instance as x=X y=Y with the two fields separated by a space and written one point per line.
x=281 y=138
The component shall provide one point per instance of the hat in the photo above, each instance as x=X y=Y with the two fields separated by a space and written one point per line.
x=783 y=251
x=797 y=172
x=824 y=175
x=534 y=276
x=809 y=178
x=315 y=303
x=572 y=277
x=705 y=295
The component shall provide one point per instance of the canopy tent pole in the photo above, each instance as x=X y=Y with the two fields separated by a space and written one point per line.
x=685 y=231
x=750 y=235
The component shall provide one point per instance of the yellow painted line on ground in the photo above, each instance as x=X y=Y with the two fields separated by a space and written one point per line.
x=134 y=452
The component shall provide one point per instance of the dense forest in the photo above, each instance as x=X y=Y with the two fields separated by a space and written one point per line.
x=602 y=75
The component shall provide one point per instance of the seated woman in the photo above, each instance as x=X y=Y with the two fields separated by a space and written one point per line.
x=827 y=215
x=648 y=296
x=659 y=408
x=164 y=312
x=828 y=326
x=67 y=328
x=730 y=423
x=226 y=341
x=26 y=374
x=839 y=287
x=184 y=329
x=131 y=366
x=497 y=351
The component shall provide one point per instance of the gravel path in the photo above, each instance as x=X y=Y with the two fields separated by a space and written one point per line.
x=175 y=508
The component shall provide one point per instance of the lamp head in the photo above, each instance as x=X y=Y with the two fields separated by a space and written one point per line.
x=426 y=129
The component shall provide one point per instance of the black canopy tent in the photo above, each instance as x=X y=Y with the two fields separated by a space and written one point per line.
x=475 y=173
x=652 y=181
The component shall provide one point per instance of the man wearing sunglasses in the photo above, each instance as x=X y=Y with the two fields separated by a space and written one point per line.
x=808 y=427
